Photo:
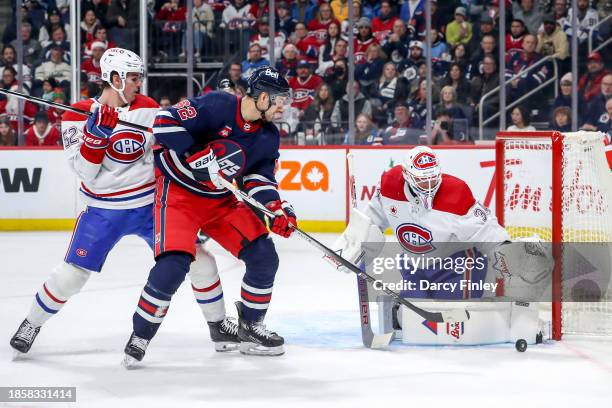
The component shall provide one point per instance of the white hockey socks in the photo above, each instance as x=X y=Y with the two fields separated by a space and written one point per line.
x=206 y=285
x=65 y=281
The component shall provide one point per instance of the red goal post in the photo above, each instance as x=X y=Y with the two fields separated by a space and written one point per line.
x=558 y=186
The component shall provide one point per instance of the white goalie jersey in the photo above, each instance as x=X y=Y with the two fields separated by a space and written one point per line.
x=122 y=176
x=455 y=216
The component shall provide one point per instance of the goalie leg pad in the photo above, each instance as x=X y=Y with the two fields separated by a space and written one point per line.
x=65 y=281
x=206 y=285
x=489 y=323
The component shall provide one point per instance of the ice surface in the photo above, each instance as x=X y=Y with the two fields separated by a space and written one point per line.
x=313 y=307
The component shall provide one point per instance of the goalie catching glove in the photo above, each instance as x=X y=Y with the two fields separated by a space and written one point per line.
x=205 y=168
x=285 y=221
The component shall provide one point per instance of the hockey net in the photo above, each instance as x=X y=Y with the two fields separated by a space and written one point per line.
x=559 y=186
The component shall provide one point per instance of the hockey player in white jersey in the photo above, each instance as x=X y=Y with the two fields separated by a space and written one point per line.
x=114 y=164
x=426 y=210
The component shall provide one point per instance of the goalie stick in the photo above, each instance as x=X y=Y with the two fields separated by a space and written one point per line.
x=453 y=315
x=68 y=108
x=369 y=338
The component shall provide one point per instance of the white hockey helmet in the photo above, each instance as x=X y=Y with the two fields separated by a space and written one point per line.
x=422 y=172
x=122 y=62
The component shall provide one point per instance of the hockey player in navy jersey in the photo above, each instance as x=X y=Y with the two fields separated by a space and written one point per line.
x=202 y=139
x=115 y=166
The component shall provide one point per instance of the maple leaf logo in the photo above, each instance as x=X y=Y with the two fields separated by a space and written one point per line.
x=314 y=176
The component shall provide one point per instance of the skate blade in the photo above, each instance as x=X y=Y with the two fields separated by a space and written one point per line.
x=254 y=349
x=129 y=362
x=225 y=346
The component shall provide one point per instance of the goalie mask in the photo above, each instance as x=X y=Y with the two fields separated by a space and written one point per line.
x=122 y=62
x=421 y=170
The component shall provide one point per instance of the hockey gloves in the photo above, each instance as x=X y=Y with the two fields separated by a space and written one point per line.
x=100 y=125
x=284 y=216
x=205 y=168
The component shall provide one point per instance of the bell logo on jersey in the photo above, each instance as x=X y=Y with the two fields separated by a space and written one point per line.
x=415 y=238
x=424 y=161
x=126 y=146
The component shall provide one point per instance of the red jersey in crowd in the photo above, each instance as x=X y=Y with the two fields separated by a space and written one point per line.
x=93 y=71
x=309 y=49
x=514 y=43
x=382 y=28
x=361 y=47
x=303 y=90
x=319 y=29
x=50 y=137
x=172 y=15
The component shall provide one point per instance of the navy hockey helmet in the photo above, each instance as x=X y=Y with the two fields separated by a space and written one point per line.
x=269 y=80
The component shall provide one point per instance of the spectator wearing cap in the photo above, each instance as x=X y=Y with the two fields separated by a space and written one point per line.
x=303 y=86
x=288 y=63
x=525 y=11
x=91 y=66
x=54 y=20
x=405 y=129
x=307 y=44
x=409 y=67
x=262 y=38
x=587 y=19
x=285 y=22
x=42 y=133
x=237 y=16
x=32 y=51
x=48 y=88
x=340 y=9
x=100 y=35
x=318 y=26
x=564 y=97
x=589 y=84
x=520 y=61
x=597 y=107
x=368 y=73
x=340 y=114
x=254 y=60
x=514 y=39
x=397 y=43
x=552 y=40
x=9 y=59
x=303 y=11
x=459 y=30
x=56 y=68
x=382 y=25
x=363 y=39
x=486 y=26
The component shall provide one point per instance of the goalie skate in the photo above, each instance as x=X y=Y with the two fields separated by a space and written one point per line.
x=23 y=339
x=224 y=334
x=134 y=351
x=255 y=339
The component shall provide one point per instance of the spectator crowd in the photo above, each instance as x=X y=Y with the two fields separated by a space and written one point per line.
x=311 y=50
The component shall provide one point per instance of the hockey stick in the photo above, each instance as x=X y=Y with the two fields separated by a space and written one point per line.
x=368 y=337
x=68 y=108
x=455 y=315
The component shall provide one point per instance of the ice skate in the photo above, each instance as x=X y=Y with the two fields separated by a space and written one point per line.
x=134 y=351
x=255 y=339
x=224 y=334
x=23 y=339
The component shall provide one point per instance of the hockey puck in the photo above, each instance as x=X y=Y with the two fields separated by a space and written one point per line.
x=521 y=345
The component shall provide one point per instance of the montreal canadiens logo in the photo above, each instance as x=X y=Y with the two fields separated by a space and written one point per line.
x=230 y=157
x=415 y=238
x=424 y=161
x=126 y=146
